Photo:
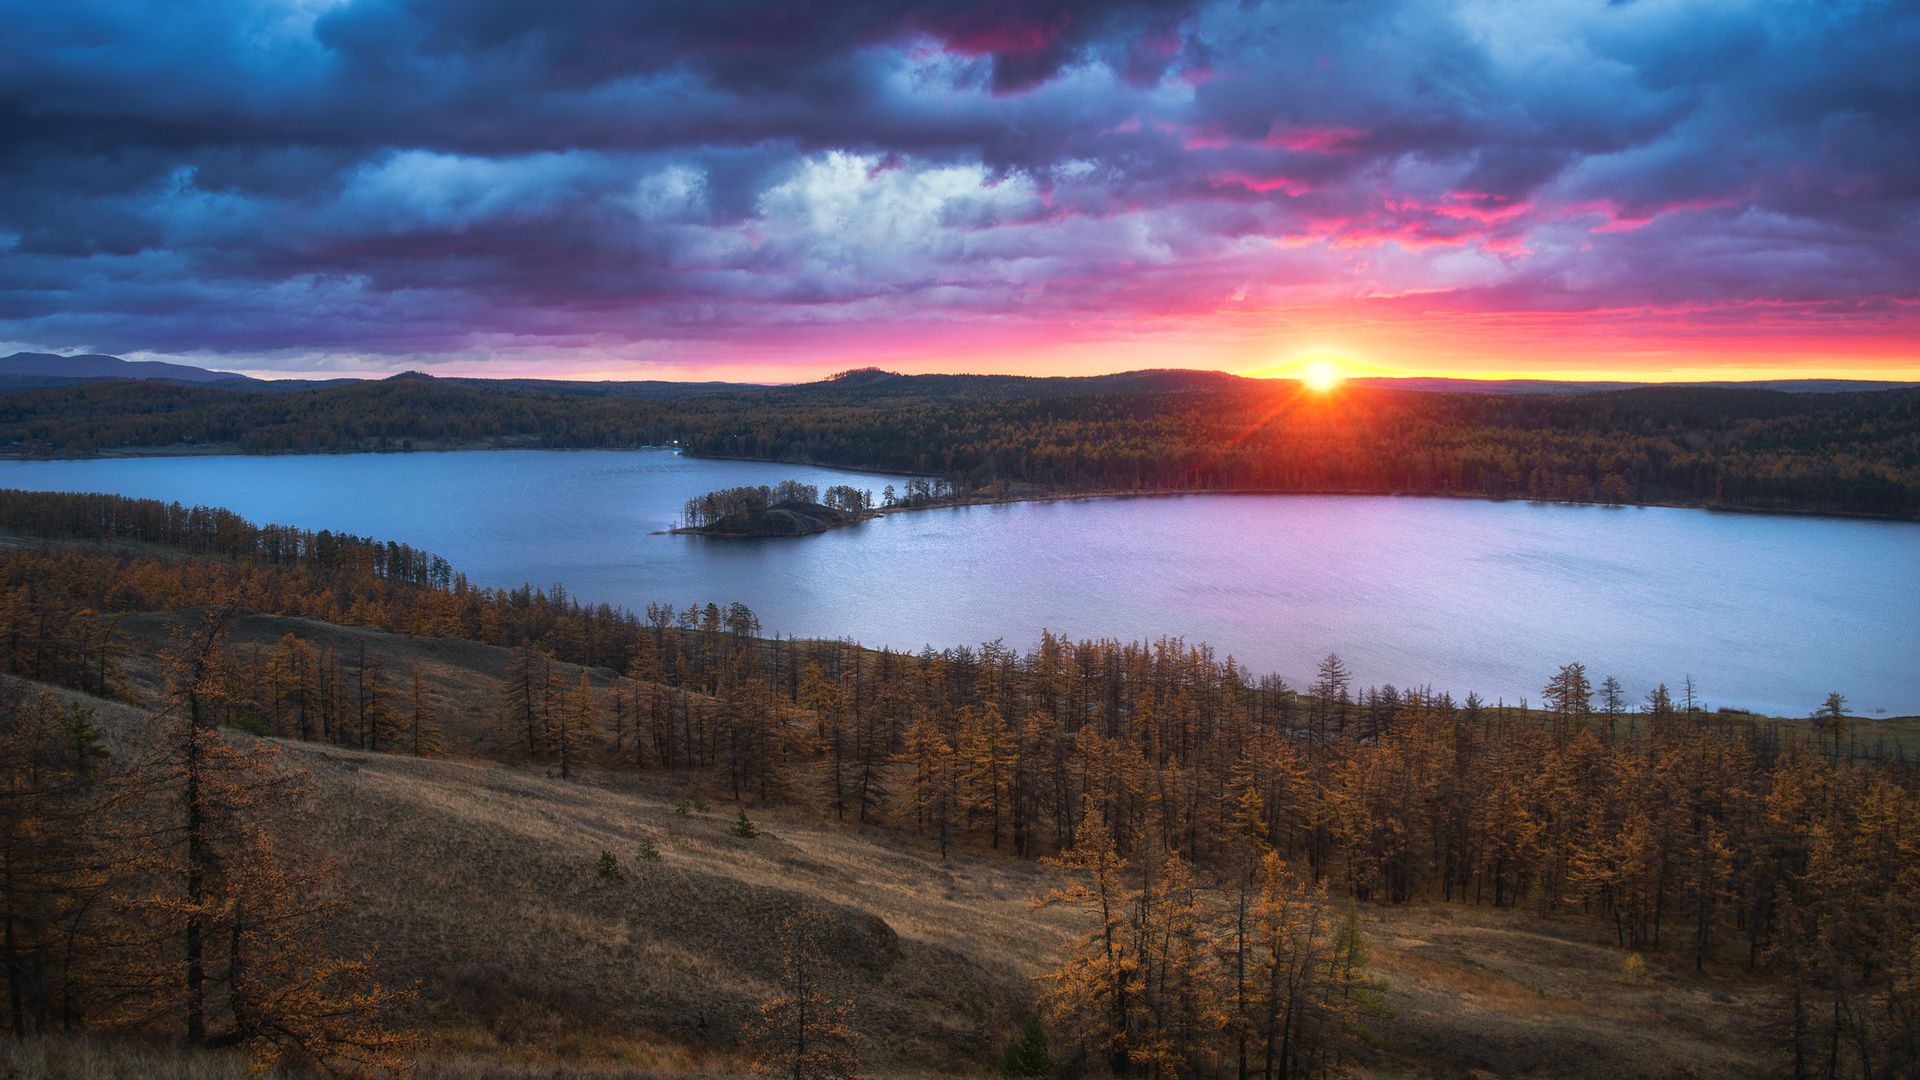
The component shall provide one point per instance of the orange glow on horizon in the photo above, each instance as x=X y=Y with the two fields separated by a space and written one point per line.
x=1321 y=376
x=1370 y=340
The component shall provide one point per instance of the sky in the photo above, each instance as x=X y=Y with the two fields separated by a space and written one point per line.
x=773 y=191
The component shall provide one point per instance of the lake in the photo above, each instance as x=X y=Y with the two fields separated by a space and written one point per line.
x=1764 y=612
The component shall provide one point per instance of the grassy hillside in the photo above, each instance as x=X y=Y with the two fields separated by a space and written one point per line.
x=1513 y=869
x=476 y=883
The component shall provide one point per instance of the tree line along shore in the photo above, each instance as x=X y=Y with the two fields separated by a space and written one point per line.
x=1204 y=822
x=1851 y=453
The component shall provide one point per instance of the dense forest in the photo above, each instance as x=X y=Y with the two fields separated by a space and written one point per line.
x=1148 y=431
x=1199 y=814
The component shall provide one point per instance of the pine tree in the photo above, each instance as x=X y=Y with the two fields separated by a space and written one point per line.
x=804 y=1032
x=1095 y=995
x=571 y=727
x=233 y=933
x=1570 y=697
x=380 y=727
x=831 y=737
x=423 y=734
x=936 y=779
x=1026 y=1053
x=1331 y=694
x=57 y=867
x=743 y=827
x=524 y=701
x=289 y=684
x=986 y=754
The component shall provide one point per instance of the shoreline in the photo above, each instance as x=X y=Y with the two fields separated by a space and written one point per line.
x=233 y=450
x=708 y=530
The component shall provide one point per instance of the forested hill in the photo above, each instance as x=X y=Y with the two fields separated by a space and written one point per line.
x=1855 y=452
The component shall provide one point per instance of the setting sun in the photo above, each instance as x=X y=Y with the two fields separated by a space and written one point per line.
x=1321 y=375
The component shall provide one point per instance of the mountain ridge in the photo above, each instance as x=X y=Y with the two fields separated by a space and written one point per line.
x=35 y=371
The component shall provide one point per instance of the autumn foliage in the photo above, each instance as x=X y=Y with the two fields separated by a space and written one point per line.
x=1206 y=824
x=144 y=892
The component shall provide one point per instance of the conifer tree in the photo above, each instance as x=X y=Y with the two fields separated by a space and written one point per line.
x=1570 y=698
x=986 y=754
x=936 y=780
x=289 y=684
x=804 y=1032
x=423 y=734
x=743 y=827
x=571 y=727
x=380 y=727
x=831 y=737
x=56 y=865
x=1026 y=1053
x=524 y=701
x=232 y=953
x=1332 y=696
x=1095 y=995
x=869 y=782
x=608 y=867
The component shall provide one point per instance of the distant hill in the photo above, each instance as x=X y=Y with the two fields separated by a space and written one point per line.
x=50 y=371
x=41 y=371
x=95 y=366
x=874 y=384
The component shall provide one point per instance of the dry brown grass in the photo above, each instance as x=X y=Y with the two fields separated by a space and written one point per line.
x=104 y=1059
x=1511 y=994
x=480 y=883
x=476 y=884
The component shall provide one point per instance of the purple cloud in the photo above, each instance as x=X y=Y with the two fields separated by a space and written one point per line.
x=286 y=181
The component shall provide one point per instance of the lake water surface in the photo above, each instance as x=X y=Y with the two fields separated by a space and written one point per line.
x=1764 y=612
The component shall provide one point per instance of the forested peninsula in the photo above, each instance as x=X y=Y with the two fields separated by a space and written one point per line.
x=1152 y=431
x=1559 y=888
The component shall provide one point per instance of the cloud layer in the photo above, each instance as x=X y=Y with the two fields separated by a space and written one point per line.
x=307 y=183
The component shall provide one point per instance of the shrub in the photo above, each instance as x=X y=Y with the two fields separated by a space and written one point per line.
x=1633 y=969
x=1027 y=1054
x=743 y=826
x=250 y=724
x=608 y=867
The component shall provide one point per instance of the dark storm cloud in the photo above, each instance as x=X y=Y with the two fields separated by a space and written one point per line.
x=407 y=175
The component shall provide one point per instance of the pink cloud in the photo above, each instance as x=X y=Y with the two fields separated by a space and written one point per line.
x=1321 y=139
x=1621 y=220
x=1286 y=185
x=1465 y=206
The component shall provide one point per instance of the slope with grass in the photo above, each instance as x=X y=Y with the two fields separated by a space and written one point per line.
x=477 y=884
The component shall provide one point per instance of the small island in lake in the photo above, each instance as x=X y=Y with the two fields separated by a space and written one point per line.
x=789 y=508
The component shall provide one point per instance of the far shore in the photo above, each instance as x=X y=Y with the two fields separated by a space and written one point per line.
x=200 y=450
